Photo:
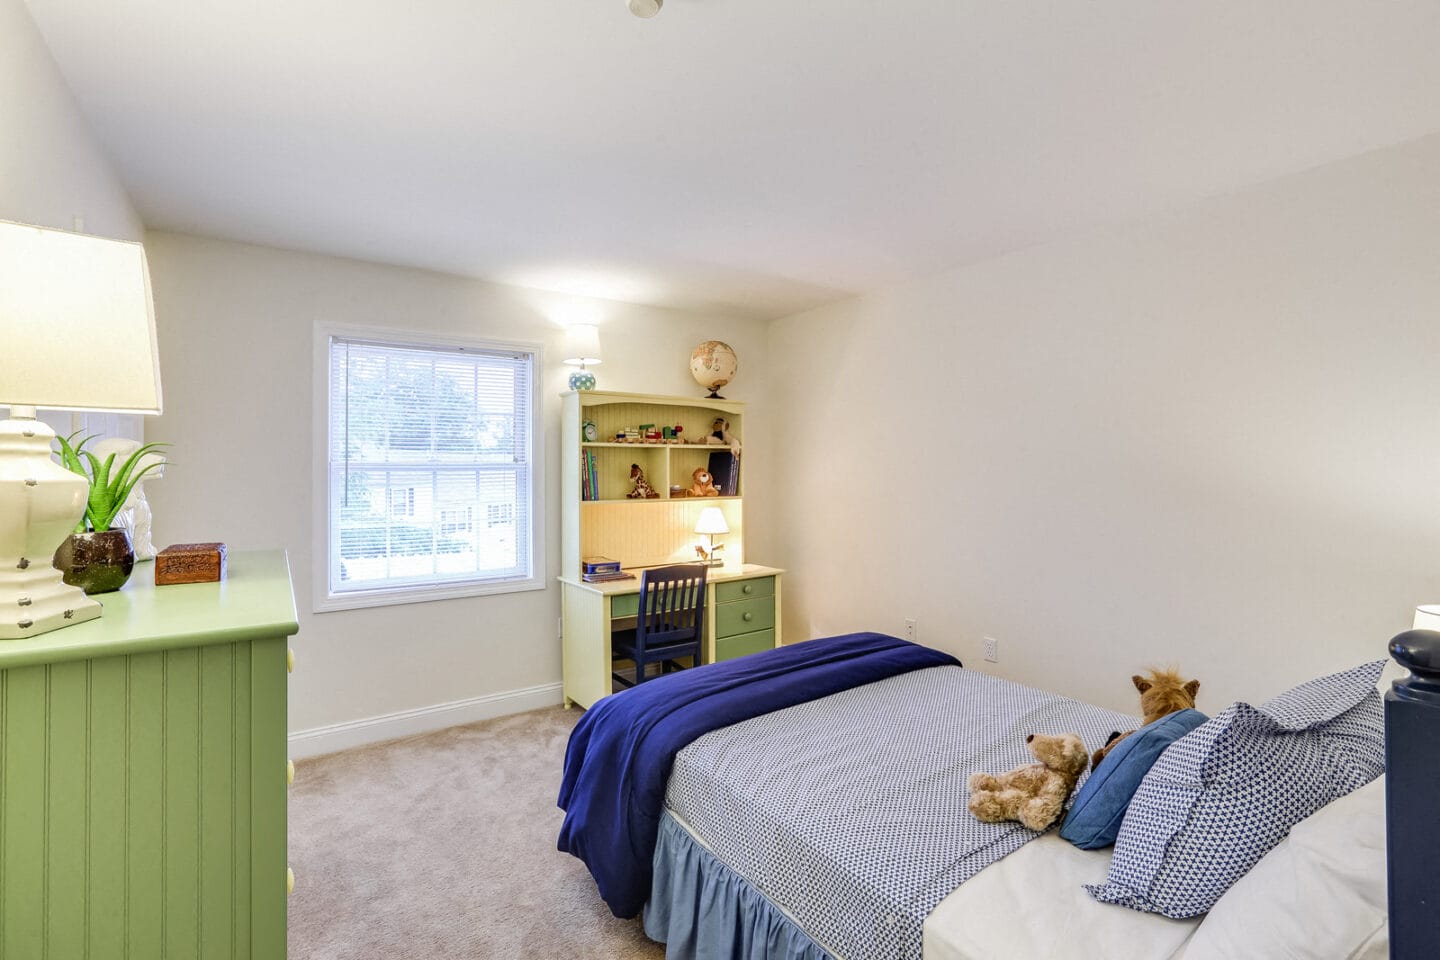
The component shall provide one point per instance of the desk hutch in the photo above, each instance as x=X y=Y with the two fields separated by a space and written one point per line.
x=742 y=599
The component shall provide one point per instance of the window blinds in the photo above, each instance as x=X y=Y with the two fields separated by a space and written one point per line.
x=430 y=456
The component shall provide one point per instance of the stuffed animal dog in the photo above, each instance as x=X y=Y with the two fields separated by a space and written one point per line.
x=1162 y=692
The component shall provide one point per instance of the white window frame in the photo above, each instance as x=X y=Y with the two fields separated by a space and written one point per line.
x=324 y=600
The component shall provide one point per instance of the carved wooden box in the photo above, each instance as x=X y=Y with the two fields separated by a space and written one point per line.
x=190 y=563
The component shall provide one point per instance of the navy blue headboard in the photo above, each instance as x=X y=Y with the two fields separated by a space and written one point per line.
x=1412 y=797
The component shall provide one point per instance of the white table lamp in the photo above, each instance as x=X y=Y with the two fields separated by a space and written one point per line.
x=582 y=346
x=712 y=522
x=77 y=332
x=1427 y=617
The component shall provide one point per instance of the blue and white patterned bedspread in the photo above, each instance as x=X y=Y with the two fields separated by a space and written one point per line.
x=849 y=813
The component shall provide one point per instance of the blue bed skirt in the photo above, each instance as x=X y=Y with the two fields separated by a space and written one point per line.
x=702 y=910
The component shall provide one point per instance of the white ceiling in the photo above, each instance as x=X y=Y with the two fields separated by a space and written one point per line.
x=729 y=156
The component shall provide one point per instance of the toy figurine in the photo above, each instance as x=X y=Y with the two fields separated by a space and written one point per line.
x=720 y=435
x=643 y=490
x=704 y=484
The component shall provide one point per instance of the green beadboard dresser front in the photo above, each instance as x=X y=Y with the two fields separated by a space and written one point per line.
x=143 y=773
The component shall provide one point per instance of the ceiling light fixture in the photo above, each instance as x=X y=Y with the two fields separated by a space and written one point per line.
x=645 y=9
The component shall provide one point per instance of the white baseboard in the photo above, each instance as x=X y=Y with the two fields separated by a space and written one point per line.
x=407 y=723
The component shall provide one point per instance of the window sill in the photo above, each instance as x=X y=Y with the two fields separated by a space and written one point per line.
x=361 y=599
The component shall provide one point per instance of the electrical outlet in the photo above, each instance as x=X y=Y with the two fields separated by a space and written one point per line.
x=992 y=650
x=912 y=633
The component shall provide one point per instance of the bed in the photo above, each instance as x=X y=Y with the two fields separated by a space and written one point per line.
x=824 y=823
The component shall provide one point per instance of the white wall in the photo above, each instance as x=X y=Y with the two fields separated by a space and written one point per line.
x=1207 y=439
x=235 y=331
x=51 y=169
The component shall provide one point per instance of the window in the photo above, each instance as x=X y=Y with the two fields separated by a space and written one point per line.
x=424 y=438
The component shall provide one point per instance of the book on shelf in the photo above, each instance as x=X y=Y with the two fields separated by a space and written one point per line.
x=589 y=481
x=724 y=471
x=606 y=577
x=600 y=565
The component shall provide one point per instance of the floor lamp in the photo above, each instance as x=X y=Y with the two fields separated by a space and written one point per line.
x=77 y=332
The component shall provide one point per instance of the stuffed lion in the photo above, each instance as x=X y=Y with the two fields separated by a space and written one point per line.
x=703 y=484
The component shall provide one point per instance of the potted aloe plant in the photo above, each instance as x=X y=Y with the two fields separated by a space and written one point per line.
x=98 y=556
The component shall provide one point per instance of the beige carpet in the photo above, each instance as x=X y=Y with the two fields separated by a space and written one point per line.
x=443 y=846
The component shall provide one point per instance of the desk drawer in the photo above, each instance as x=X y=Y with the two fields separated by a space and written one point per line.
x=727 y=648
x=744 y=616
x=744 y=589
x=625 y=605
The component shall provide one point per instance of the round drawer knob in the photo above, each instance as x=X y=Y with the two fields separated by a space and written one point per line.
x=289 y=771
x=748 y=588
x=747 y=616
x=290 y=660
x=289 y=881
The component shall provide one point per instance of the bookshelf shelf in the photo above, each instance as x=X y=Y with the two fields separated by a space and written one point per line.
x=661 y=499
x=598 y=519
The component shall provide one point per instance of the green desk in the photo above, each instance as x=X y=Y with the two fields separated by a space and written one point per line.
x=143 y=772
x=742 y=615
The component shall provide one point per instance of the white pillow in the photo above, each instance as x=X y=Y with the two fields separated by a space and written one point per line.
x=1319 y=895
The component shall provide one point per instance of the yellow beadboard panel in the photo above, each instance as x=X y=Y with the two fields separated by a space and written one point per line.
x=611 y=418
x=658 y=531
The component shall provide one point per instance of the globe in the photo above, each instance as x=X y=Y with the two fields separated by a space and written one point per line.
x=713 y=365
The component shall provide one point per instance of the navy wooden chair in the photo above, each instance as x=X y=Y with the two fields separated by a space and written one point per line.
x=670 y=623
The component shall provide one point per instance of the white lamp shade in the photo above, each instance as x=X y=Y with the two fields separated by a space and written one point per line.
x=711 y=521
x=582 y=344
x=77 y=324
x=1427 y=617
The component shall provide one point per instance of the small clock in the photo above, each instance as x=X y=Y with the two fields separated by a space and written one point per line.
x=590 y=432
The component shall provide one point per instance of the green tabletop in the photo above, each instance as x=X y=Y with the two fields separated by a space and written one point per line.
x=254 y=600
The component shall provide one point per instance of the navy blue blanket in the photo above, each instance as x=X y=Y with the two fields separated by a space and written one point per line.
x=620 y=754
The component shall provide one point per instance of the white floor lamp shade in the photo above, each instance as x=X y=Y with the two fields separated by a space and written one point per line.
x=77 y=332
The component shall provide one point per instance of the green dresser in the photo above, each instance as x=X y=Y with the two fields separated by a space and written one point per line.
x=143 y=774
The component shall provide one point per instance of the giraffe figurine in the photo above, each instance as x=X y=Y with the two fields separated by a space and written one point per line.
x=643 y=490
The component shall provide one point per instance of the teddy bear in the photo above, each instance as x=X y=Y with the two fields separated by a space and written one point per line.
x=1034 y=794
x=1162 y=692
x=703 y=484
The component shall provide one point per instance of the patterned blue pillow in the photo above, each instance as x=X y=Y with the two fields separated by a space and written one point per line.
x=1217 y=800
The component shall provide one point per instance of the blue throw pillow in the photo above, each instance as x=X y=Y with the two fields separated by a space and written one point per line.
x=1095 y=817
x=1219 y=799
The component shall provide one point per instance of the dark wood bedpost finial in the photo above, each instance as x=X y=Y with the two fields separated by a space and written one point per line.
x=1412 y=796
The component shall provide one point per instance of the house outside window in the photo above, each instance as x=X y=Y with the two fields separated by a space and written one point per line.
x=402 y=502
x=423 y=437
x=456 y=521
